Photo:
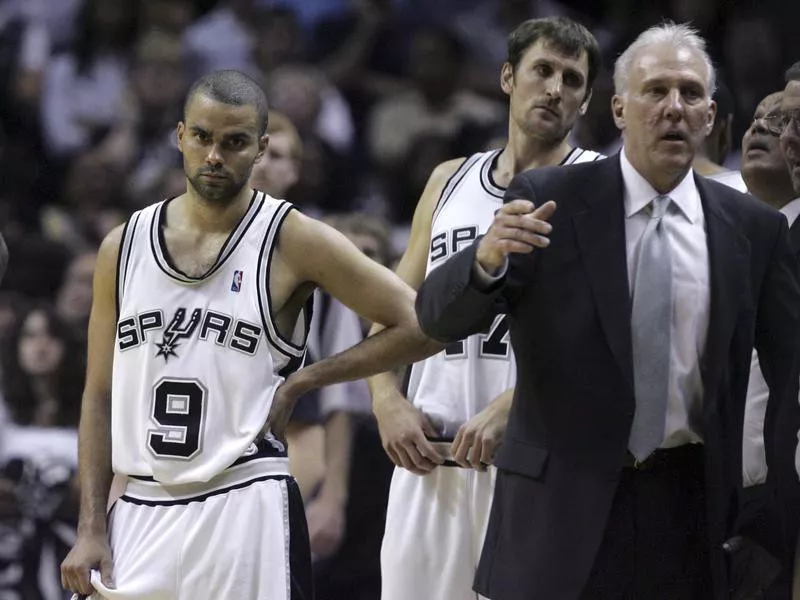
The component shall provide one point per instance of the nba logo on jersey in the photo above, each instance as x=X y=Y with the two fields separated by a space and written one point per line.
x=236 y=284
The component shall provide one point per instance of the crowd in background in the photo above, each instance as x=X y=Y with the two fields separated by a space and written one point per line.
x=379 y=91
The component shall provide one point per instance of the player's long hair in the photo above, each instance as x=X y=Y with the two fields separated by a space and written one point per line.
x=67 y=379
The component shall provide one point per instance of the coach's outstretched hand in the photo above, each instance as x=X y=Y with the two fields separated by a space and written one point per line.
x=518 y=227
x=403 y=428
x=91 y=551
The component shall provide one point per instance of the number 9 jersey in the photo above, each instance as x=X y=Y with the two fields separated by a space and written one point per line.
x=197 y=360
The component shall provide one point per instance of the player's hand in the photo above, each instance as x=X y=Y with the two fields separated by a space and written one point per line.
x=326 y=520
x=477 y=440
x=280 y=412
x=518 y=227
x=403 y=428
x=90 y=552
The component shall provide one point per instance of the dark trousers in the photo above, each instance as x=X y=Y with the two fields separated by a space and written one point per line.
x=655 y=543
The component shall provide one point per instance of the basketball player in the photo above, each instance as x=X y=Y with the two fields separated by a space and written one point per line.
x=436 y=518
x=199 y=313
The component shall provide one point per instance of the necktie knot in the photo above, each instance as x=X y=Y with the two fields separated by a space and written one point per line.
x=659 y=206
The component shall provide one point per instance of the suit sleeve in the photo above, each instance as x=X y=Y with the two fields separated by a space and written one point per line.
x=776 y=339
x=450 y=303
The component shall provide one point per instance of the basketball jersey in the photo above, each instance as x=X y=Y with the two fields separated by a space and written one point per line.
x=197 y=360
x=459 y=382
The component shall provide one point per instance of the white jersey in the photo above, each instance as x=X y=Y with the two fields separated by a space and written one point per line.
x=732 y=179
x=197 y=360
x=462 y=380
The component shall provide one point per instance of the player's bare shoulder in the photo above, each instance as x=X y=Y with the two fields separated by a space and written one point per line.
x=438 y=181
x=108 y=254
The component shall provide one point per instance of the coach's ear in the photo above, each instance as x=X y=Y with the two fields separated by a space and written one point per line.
x=179 y=134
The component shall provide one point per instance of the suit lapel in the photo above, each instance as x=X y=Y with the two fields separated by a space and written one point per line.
x=794 y=236
x=600 y=231
x=729 y=262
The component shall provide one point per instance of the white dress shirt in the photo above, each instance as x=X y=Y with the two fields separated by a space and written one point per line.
x=754 y=460
x=691 y=297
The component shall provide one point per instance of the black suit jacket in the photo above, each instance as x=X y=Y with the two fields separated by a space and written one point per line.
x=569 y=312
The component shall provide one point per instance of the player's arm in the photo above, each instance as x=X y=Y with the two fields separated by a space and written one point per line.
x=91 y=550
x=319 y=254
x=402 y=427
x=477 y=440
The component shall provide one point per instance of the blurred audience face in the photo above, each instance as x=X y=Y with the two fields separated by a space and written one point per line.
x=435 y=65
x=40 y=352
x=280 y=40
x=295 y=91
x=666 y=112
x=547 y=91
x=219 y=143
x=159 y=74
x=167 y=15
x=279 y=168
x=790 y=138
x=761 y=149
x=112 y=18
x=74 y=300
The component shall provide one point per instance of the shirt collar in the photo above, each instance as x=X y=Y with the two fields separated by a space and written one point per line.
x=792 y=211
x=639 y=193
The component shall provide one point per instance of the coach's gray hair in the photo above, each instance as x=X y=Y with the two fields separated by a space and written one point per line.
x=678 y=35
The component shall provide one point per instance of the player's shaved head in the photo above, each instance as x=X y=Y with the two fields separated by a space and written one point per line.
x=231 y=87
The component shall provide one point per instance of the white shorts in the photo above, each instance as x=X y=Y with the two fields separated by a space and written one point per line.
x=435 y=526
x=242 y=535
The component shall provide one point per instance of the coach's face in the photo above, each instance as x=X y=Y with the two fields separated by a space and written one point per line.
x=547 y=91
x=665 y=113
x=220 y=143
x=790 y=138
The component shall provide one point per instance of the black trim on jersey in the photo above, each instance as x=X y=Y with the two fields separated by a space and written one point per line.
x=237 y=233
x=487 y=182
x=202 y=497
x=301 y=574
x=296 y=362
x=447 y=190
x=119 y=264
x=573 y=155
x=277 y=223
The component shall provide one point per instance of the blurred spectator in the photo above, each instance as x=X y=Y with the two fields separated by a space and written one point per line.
x=169 y=16
x=42 y=385
x=83 y=87
x=279 y=169
x=437 y=104
x=596 y=130
x=326 y=182
x=74 y=300
x=485 y=29
x=363 y=52
x=316 y=108
x=225 y=38
x=752 y=59
x=347 y=518
x=142 y=143
x=280 y=40
x=91 y=206
x=712 y=155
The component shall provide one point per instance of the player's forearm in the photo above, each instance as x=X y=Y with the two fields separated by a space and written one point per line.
x=94 y=454
x=382 y=386
x=338 y=445
x=393 y=347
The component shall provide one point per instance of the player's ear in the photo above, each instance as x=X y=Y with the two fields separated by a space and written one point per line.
x=507 y=78
x=179 y=134
x=585 y=104
x=263 y=142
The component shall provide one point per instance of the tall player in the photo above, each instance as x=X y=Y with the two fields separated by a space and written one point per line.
x=436 y=518
x=199 y=312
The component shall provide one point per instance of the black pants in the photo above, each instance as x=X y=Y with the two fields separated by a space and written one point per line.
x=655 y=544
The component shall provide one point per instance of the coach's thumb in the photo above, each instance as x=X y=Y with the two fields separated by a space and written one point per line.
x=106 y=575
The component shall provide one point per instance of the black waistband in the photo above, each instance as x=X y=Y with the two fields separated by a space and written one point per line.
x=666 y=458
